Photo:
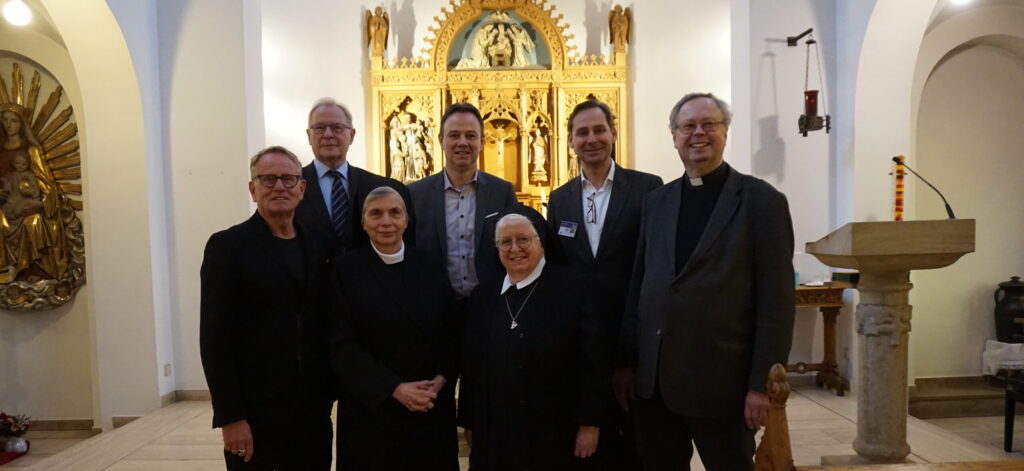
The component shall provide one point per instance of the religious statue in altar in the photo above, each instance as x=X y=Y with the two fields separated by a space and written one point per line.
x=500 y=42
x=618 y=21
x=41 y=241
x=409 y=147
x=538 y=157
x=377 y=30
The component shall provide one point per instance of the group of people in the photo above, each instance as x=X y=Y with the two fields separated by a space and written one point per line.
x=637 y=320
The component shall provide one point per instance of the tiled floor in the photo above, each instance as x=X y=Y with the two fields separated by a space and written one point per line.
x=178 y=437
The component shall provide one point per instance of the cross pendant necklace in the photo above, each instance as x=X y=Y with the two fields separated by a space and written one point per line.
x=521 y=306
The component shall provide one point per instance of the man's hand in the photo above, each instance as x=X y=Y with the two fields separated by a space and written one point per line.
x=586 y=441
x=437 y=384
x=416 y=396
x=238 y=439
x=755 y=409
x=624 y=385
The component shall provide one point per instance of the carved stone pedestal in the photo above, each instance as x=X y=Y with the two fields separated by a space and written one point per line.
x=883 y=328
x=885 y=253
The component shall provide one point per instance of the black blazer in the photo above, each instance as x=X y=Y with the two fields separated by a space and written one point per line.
x=312 y=210
x=711 y=332
x=393 y=324
x=556 y=362
x=262 y=332
x=492 y=195
x=609 y=272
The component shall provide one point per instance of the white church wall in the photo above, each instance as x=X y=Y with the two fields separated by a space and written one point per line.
x=203 y=83
x=44 y=354
x=969 y=144
x=798 y=166
x=116 y=218
x=138 y=21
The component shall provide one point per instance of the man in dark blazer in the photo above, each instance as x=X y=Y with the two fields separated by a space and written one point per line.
x=263 y=329
x=453 y=206
x=596 y=218
x=335 y=189
x=711 y=304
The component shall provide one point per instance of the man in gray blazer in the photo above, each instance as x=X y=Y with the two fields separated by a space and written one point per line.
x=711 y=303
x=453 y=206
x=596 y=219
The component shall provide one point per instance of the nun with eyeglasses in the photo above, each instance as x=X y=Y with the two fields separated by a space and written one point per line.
x=534 y=377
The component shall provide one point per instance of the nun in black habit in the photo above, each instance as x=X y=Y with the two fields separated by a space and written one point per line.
x=393 y=349
x=532 y=394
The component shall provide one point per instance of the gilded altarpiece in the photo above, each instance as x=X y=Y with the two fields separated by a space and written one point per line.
x=512 y=60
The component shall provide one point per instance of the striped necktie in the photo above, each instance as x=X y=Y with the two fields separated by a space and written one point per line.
x=339 y=204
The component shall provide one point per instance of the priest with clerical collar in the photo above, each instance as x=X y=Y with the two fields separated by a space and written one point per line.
x=393 y=349
x=534 y=375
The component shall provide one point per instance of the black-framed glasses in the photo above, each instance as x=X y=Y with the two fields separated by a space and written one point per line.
x=336 y=128
x=269 y=181
x=709 y=127
x=523 y=242
x=591 y=209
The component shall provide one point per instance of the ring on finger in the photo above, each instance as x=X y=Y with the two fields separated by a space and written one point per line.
x=240 y=451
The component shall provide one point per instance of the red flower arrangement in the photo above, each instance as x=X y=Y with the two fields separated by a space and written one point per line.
x=14 y=425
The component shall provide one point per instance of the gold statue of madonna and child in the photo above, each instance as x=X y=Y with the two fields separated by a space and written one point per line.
x=41 y=242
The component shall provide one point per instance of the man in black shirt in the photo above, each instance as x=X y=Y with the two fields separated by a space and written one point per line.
x=711 y=305
x=263 y=329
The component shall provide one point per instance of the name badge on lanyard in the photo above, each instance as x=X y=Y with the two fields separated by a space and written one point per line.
x=567 y=229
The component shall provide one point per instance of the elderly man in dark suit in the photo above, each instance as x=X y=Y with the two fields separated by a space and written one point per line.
x=596 y=218
x=711 y=304
x=335 y=189
x=263 y=325
x=453 y=206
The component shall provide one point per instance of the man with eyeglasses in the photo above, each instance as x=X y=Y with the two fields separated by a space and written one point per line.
x=711 y=304
x=335 y=189
x=263 y=328
x=454 y=205
x=596 y=218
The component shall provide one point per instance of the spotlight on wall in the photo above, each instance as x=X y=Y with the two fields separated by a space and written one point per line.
x=17 y=13
x=960 y=2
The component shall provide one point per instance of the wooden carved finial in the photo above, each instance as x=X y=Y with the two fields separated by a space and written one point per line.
x=774 y=453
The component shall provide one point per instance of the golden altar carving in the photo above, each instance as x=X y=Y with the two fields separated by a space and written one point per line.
x=512 y=60
x=42 y=246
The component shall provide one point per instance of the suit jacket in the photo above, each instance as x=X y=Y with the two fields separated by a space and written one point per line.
x=711 y=332
x=262 y=332
x=312 y=210
x=492 y=195
x=609 y=272
x=548 y=376
x=393 y=324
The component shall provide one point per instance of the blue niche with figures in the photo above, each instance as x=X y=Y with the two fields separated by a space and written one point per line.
x=498 y=40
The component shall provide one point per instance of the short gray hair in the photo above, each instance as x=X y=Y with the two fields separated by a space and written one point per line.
x=513 y=219
x=328 y=101
x=272 y=150
x=383 y=192
x=722 y=105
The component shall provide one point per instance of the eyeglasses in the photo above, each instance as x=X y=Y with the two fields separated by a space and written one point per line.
x=591 y=210
x=270 y=181
x=337 y=128
x=709 y=127
x=523 y=242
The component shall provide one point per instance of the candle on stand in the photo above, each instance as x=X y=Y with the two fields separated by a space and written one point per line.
x=900 y=172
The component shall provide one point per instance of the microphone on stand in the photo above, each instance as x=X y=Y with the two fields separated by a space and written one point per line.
x=949 y=210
